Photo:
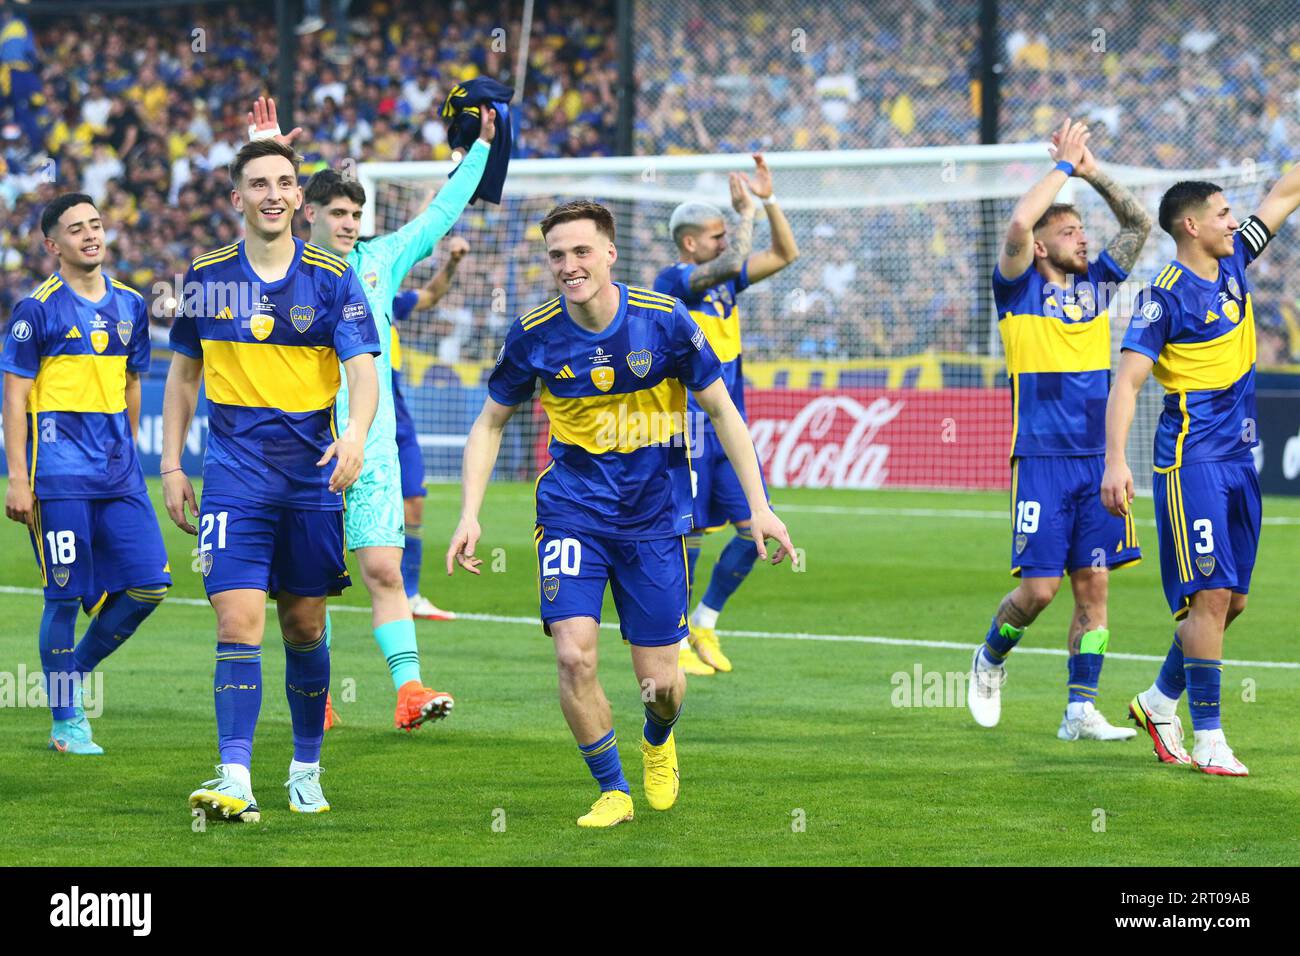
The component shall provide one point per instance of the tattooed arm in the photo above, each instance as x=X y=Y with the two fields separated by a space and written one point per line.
x=1134 y=221
x=728 y=264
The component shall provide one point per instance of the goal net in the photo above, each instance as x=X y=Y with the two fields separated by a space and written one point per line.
x=872 y=361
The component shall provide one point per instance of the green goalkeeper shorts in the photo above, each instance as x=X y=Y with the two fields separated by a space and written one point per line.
x=373 y=515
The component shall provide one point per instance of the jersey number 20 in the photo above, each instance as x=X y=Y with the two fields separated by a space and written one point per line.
x=566 y=552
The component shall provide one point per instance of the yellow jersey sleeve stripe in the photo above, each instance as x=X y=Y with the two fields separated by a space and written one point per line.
x=46 y=293
x=292 y=378
x=35 y=293
x=1163 y=273
x=212 y=262
x=632 y=300
x=126 y=288
x=322 y=264
x=223 y=252
x=650 y=294
x=324 y=254
x=540 y=309
x=528 y=323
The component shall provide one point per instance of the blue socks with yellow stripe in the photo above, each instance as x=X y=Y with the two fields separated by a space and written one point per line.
x=412 y=560
x=1172 y=679
x=57 y=636
x=734 y=564
x=1000 y=641
x=306 y=681
x=237 y=692
x=117 y=620
x=602 y=761
x=1085 y=666
x=657 y=729
x=397 y=641
x=1204 y=676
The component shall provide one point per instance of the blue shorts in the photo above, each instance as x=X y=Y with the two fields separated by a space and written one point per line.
x=1058 y=524
x=719 y=499
x=1207 y=518
x=408 y=445
x=248 y=544
x=648 y=579
x=89 y=547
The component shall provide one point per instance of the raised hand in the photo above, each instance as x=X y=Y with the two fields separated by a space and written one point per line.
x=262 y=117
x=740 y=199
x=760 y=184
x=1070 y=144
x=457 y=248
x=487 y=125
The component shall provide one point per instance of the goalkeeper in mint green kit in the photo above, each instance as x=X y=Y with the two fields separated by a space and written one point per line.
x=374 y=517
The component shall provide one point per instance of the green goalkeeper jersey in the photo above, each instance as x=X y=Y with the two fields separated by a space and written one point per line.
x=382 y=264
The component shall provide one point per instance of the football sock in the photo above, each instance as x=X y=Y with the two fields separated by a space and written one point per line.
x=397 y=641
x=295 y=765
x=693 y=543
x=704 y=616
x=237 y=690
x=240 y=773
x=329 y=631
x=412 y=559
x=1172 y=679
x=1085 y=667
x=999 y=642
x=602 y=761
x=117 y=620
x=658 y=728
x=1203 y=679
x=57 y=635
x=306 y=681
x=734 y=563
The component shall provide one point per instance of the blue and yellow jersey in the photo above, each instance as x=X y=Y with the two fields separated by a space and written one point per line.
x=1057 y=344
x=17 y=49
x=403 y=305
x=716 y=312
x=616 y=401
x=1201 y=335
x=271 y=354
x=79 y=442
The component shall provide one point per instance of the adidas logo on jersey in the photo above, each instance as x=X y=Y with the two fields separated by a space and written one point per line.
x=73 y=333
x=565 y=372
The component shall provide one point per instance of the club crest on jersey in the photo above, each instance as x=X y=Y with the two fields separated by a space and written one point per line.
x=371 y=279
x=1205 y=564
x=301 y=316
x=99 y=340
x=205 y=562
x=261 y=326
x=602 y=376
x=1021 y=541
x=61 y=575
x=550 y=587
x=639 y=362
x=124 y=332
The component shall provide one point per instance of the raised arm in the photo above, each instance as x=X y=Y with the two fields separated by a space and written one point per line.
x=1018 y=247
x=429 y=294
x=1281 y=200
x=784 y=250
x=1117 y=481
x=1134 y=221
x=728 y=264
x=18 y=499
x=481 y=450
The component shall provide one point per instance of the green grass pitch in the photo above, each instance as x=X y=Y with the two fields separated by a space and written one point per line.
x=800 y=756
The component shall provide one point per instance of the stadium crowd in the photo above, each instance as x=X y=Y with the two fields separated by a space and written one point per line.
x=144 y=113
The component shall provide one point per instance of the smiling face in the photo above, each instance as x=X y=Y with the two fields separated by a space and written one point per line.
x=335 y=225
x=268 y=195
x=1212 y=226
x=580 y=257
x=78 y=239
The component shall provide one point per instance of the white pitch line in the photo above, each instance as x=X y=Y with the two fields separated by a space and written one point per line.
x=763 y=635
x=869 y=512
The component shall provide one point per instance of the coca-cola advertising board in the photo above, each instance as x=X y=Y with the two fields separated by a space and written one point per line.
x=882 y=438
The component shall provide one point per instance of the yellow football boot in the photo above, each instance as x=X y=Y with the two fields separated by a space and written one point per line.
x=690 y=662
x=613 y=807
x=662 y=779
x=705 y=642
